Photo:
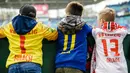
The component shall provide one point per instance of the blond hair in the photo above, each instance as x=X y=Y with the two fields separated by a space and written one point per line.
x=74 y=8
x=107 y=14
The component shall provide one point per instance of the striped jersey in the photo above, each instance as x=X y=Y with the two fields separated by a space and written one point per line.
x=109 y=48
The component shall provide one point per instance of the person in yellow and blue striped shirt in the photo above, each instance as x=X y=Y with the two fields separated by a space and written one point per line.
x=71 y=44
x=25 y=37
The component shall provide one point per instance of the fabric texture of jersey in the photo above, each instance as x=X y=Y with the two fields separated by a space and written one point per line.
x=28 y=47
x=109 y=49
x=72 y=49
x=23 y=24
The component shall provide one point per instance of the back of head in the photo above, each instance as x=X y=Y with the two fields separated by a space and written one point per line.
x=25 y=21
x=74 y=8
x=107 y=18
x=107 y=14
x=72 y=23
x=28 y=10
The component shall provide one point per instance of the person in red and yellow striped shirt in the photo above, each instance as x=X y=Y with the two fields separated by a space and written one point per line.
x=25 y=37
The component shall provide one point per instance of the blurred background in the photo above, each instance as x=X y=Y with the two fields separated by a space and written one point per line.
x=50 y=12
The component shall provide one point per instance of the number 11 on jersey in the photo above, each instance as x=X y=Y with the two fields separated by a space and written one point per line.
x=72 y=44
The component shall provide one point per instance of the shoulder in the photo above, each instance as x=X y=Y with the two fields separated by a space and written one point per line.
x=87 y=27
x=9 y=25
x=122 y=30
x=96 y=29
x=41 y=25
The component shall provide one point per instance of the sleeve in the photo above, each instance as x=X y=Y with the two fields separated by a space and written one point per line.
x=88 y=29
x=122 y=29
x=49 y=33
x=2 y=35
x=94 y=32
x=91 y=43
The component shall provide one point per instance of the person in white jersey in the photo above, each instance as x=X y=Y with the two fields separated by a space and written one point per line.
x=109 y=48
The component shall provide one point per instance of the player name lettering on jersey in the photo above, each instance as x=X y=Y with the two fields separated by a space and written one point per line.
x=12 y=31
x=112 y=60
x=23 y=57
x=106 y=34
x=31 y=32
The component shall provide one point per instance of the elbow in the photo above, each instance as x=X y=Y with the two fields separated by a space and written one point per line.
x=54 y=36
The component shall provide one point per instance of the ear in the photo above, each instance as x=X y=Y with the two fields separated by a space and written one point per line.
x=102 y=21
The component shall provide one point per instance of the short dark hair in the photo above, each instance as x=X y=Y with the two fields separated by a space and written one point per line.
x=74 y=8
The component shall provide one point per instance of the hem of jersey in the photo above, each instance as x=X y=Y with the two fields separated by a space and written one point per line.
x=72 y=66
x=7 y=66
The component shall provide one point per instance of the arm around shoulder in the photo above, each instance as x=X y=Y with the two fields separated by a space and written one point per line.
x=50 y=33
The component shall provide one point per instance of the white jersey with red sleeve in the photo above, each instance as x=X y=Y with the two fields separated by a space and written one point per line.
x=109 y=49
